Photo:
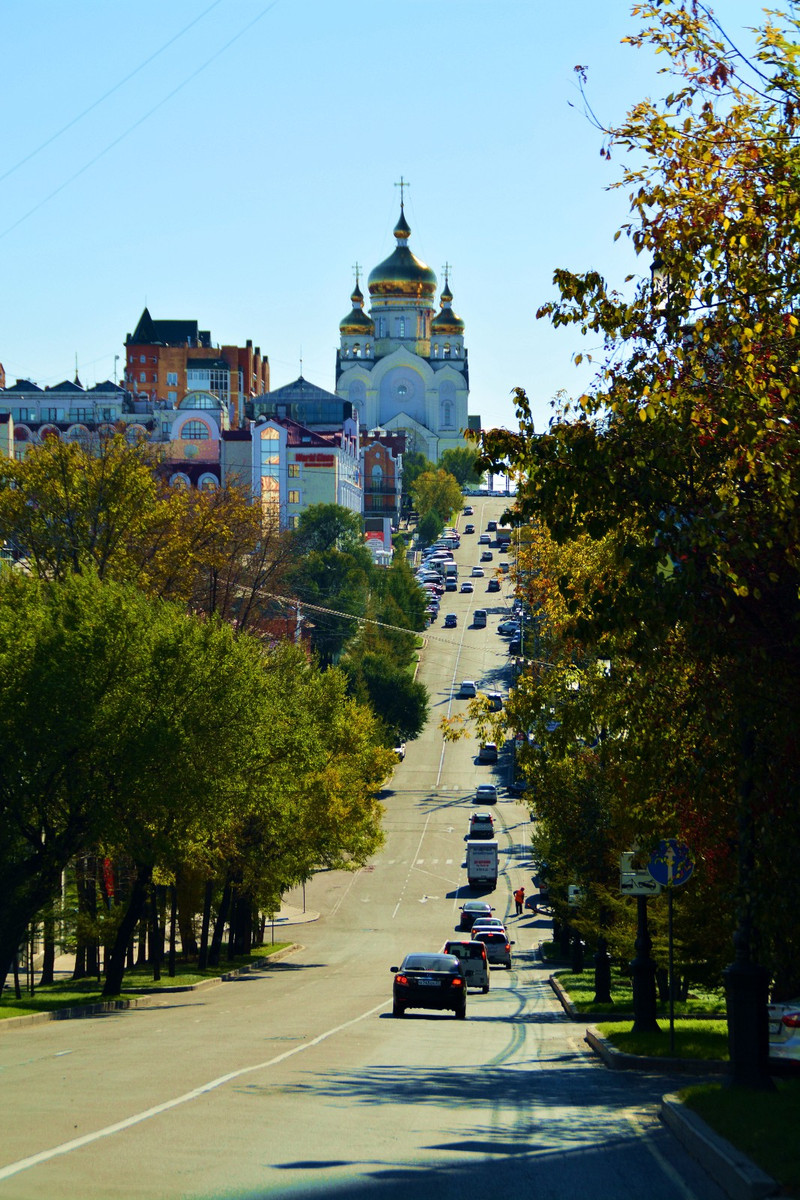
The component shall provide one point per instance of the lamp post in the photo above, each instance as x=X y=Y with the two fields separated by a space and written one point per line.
x=643 y=970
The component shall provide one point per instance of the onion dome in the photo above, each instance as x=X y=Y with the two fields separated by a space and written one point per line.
x=402 y=274
x=357 y=322
x=447 y=322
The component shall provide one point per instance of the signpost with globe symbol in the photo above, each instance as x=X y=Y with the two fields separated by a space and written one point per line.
x=671 y=865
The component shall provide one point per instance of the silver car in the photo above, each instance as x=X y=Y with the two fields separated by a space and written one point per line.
x=784 y=1030
x=498 y=946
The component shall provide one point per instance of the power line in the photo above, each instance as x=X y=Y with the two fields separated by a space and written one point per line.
x=53 y=137
x=140 y=121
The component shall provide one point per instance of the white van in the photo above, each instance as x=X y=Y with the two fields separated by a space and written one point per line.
x=473 y=958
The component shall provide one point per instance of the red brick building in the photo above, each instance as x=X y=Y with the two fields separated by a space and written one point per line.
x=166 y=359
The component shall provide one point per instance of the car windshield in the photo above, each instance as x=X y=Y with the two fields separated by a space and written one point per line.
x=429 y=962
x=476 y=906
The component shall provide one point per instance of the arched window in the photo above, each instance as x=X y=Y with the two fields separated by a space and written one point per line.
x=77 y=433
x=446 y=353
x=208 y=483
x=135 y=433
x=48 y=431
x=179 y=480
x=368 y=351
x=356 y=350
x=436 y=350
x=195 y=431
x=447 y=414
x=21 y=433
x=377 y=475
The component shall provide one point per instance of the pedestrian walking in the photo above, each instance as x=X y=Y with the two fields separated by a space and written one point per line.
x=519 y=896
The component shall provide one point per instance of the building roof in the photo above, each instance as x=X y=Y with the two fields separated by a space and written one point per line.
x=300 y=391
x=167 y=333
x=23 y=385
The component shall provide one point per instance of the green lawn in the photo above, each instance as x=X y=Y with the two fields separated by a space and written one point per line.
x=580 y=989
x=693 y=1039
x=69 y=994
x=762 y=1124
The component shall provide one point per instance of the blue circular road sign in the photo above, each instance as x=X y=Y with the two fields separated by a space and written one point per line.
x=671 y=863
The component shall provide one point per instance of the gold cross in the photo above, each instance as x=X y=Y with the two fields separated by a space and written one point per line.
x=357 y=269
x=402 y=184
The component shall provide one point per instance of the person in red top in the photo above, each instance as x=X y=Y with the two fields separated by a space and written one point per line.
x=519 y=896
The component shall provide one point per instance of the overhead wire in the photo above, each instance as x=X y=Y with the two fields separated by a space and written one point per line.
x=116 y=141
x=96 y=103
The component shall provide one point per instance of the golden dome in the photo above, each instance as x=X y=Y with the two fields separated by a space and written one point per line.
x=357 y=322
x=402 y=274
x=446 y=321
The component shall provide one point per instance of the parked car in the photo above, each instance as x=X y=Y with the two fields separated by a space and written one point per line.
x=491 y=526
x=477 y=572
x=450 y=621
x=487 y=556
x=495 y=701
x=429 y=981
x=467 y=586
x=484 y=540
x=488 y=752
x=472 y=956
x=515 y=646
x=400 y=750
x=451 y=584
x=493 y=585
x=471 y=910
x=508 y=627
x=486 y=793
x=784 y=1030
x=469 y=529
x=481 y=825
x=498 y=946
x=468 y=688
x=479 y=618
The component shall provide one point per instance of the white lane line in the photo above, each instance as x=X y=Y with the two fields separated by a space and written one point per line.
x=43 y=1156
x=412 y=867
x=338 y=903
x=678 y=1182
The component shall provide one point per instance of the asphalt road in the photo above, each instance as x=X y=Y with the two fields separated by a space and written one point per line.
x=297 y=1080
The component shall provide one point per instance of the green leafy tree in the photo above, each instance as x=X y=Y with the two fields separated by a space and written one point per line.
x=437 y=492
x=462 y=464
x=415 y=463
x=684 y=452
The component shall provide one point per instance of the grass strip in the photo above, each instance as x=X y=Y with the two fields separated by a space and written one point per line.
x=693 y=1039
x=70 y=993
x=762 y=1125
x=581 y=990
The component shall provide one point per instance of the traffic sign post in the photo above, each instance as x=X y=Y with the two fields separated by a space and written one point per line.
x=671 y=865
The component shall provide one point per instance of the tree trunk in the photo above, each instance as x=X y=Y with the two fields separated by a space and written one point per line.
x=49 y=940
x=202 y=957
x=156 y=934
x=219 y=926
x=173 y=917
x=115 y=967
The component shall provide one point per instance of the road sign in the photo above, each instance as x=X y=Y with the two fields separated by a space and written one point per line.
x=638 y=883
x=671 y=864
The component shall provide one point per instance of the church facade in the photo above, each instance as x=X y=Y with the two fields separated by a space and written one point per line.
x=403 y=366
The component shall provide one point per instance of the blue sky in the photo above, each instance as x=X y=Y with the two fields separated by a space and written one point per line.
x=230 y=160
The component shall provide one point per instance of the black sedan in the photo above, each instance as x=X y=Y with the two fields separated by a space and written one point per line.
x=429 y=981
x=472 y=910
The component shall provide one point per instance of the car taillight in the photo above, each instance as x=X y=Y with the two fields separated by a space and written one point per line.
x=401 y=979
x=457 y=983
x=508 y=945
x=791 y=1020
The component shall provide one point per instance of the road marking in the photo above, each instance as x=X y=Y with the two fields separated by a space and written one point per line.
x=674 y=1177
x=35 y=1160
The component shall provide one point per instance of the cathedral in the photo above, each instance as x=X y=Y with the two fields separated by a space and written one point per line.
x=404 y=366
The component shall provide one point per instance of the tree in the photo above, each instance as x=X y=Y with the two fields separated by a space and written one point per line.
x=462 y=463
x=437 y=492
x=415 y=463
x=685 y=451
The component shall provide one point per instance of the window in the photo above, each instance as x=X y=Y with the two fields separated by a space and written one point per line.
x=436 y=350
x=368 y=351
x=447 y=414
x=400 y=327
x=142 y=358
x=218 y=382
x=172 y=377
x=172 y=397
x=294 y=496
x=294 y=470
x=52 y=414
x=356 y=350
x=142 y=377
x=195 y=431
x=446 y=353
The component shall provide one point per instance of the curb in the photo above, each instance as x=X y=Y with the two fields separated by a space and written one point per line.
x=133 y=1000
x=731 y=1169
x=618 y=1061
